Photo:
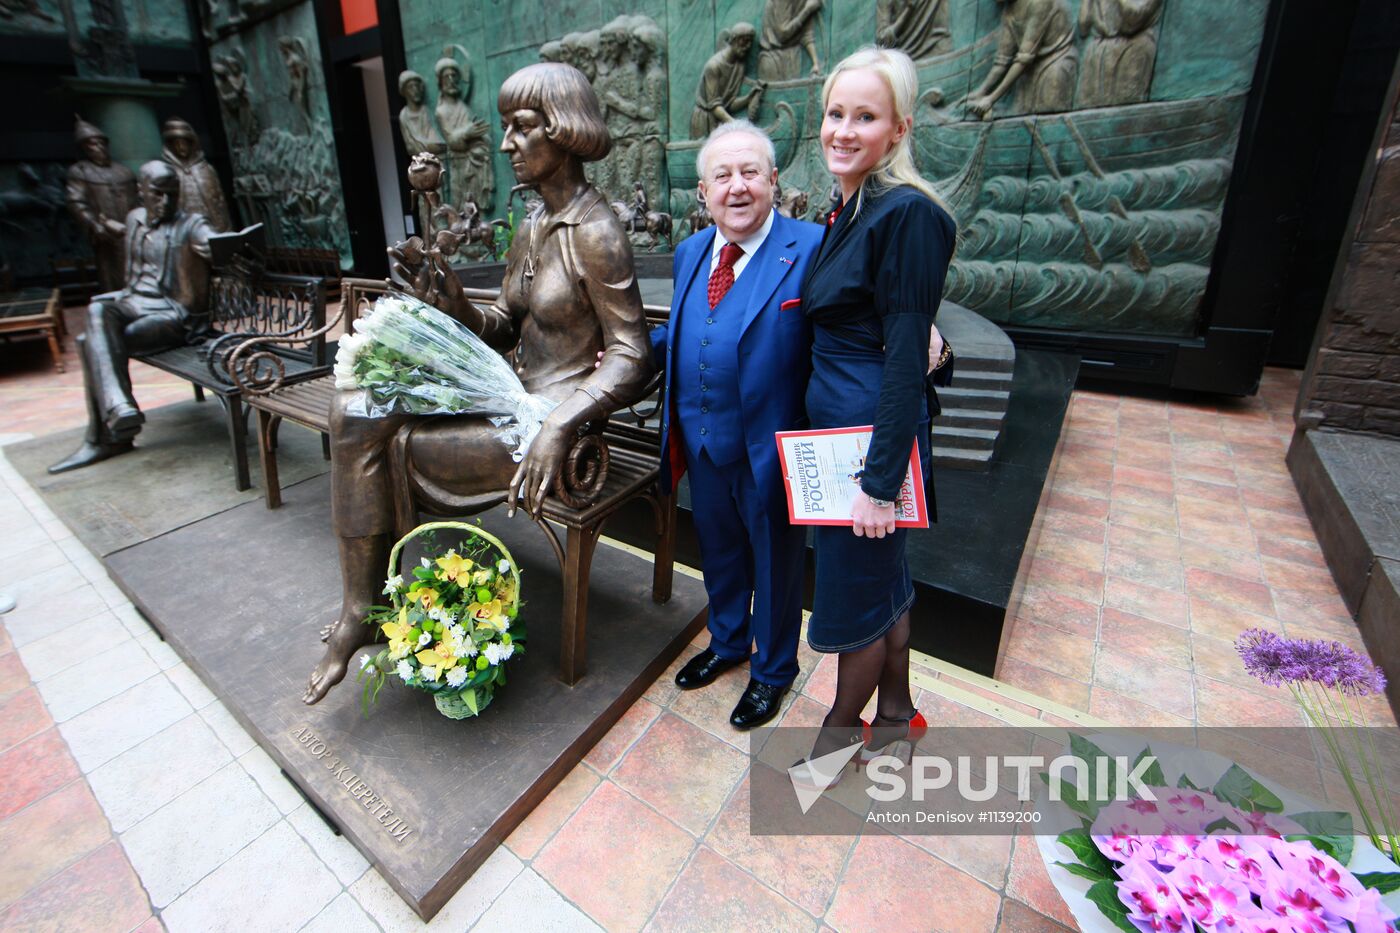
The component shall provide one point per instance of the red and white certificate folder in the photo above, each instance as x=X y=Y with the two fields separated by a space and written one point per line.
x=822 y=471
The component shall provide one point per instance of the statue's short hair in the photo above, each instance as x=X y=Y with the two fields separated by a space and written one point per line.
x=407 y=76
x=159 y=173
x=729 y=129
x=573 y=117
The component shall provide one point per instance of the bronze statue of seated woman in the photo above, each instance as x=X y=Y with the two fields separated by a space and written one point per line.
x=569 y=293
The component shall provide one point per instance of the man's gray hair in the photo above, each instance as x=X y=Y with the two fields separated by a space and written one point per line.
x=728 y=129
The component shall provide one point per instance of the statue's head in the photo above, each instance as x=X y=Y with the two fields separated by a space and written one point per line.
x=450 y=75
x=412 y=87
x=612 y=39
x=648 y=41
x=159 y=187
x=552 y=51
x=741 y=36
x=550 y=111
x=92 y=142
x=179 y=137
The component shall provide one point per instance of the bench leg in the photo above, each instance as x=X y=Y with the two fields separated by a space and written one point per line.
x=267 y=455
x=573 y=634
x=663 y=570
x=55 y=349
x=238 y=435
x=325 y=445
x=199 y=393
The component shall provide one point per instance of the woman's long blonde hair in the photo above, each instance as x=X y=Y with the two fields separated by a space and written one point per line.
x=897 y=70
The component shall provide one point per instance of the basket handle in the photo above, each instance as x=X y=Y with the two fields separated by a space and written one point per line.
x=476 y=530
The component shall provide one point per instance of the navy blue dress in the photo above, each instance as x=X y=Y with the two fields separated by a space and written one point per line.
x=871 y=295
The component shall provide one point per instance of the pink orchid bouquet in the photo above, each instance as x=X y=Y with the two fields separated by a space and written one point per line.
x=1224 y=860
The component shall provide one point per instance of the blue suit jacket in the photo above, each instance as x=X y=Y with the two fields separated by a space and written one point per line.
x=775 y=345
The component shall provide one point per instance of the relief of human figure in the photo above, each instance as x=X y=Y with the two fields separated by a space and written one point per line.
x=917 y=27
x=298 y=62
x=1036 y=54
x=416 y=126
x=789 y=27
x=717 y=99
x=581 y=50
x=649 y=51
x=236 y=98
x=619 y=89
x=200 y=191
x=1120 y=52
x=468 y=139
x=100 y=194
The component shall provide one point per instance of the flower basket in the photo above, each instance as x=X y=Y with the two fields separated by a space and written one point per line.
x=452 y=627
x=1216 y=850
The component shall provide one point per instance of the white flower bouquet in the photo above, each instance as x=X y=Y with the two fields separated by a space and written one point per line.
x=452 y=627
x=410 y=358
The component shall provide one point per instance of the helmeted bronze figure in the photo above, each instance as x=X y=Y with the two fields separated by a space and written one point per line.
x=569 y=292
x=100 y=194
x=166 y=293
x=200 y=192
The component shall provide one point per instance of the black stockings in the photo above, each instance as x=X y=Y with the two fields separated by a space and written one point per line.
x=882 y=665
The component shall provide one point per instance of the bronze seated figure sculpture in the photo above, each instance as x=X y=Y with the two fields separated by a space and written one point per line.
x=569 y=293
x=165 y=298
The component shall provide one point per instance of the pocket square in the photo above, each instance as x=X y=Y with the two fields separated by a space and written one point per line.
x=790 y=304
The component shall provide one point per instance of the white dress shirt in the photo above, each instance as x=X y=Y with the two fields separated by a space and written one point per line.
x=749 y=246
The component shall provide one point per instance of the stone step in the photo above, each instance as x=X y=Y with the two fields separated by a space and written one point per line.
x=981 y=379
x=979 y=363
x=954 y=458
x=965 y=438
x=980 y=399
x=969 y=418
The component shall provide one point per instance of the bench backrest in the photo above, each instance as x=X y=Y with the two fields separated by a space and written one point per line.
x=272 y=305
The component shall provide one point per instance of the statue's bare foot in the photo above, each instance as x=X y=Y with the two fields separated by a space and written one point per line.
x=341 y=644
x=326 y=630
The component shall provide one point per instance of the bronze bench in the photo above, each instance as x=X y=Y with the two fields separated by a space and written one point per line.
x=631 y=440
x=286 y=309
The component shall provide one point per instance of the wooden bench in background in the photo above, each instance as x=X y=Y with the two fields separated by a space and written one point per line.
x=629 y=443
x=34 y=311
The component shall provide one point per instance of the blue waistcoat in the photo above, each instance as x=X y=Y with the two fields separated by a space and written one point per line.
x=706 y=361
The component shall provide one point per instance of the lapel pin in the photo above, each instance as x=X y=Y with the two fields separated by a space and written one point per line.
x=785 y=259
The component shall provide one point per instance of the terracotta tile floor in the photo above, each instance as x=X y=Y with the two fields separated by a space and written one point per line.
x=1170 y=527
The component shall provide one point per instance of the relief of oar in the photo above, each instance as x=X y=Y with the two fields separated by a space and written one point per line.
x=1137 y=256
x=1067 y=202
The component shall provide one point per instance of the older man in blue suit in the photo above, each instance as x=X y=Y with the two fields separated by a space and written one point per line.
x=737 y=352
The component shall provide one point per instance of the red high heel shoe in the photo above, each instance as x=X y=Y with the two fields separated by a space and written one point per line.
x=916 y=725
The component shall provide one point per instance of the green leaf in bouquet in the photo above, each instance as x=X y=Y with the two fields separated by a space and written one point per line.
x=1153 y=776
x=1184 y=783
x=1331 y=831
x=1383 y=881
x=1104 y=896
x=1083 y=871
x=1099 y=766
x=1238 y=788
x=469 y=698
x=1069 y=796
x=1078 y=842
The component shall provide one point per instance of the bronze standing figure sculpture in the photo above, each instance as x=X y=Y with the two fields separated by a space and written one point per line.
x=100 y=194
x=200 y=192
x=569 y=292
x=166 y=294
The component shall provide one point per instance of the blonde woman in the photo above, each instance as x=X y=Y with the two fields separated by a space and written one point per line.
x=871 y=295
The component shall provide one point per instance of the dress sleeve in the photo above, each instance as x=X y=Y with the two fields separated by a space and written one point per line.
x=915 y=241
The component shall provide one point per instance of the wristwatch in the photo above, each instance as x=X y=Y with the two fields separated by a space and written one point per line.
x=880 y=503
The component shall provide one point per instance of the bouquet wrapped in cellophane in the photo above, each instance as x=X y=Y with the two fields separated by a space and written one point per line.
x=410 y=358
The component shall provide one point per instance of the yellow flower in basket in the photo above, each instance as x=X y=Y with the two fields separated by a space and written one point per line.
x=489 y=615
x=399 y=644
x=454 y=565
x=441 y=660
x=424 y=594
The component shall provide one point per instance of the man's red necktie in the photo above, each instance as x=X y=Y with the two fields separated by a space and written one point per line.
x=722 y=279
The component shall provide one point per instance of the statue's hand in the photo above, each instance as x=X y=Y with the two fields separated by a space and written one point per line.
x=113 y=228
x=540 y=469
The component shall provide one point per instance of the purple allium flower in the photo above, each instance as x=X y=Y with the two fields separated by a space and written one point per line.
x=1276 y=661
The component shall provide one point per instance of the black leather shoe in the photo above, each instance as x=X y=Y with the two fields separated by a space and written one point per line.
x=89 y=454
x=703 y=670
x=759 y=704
